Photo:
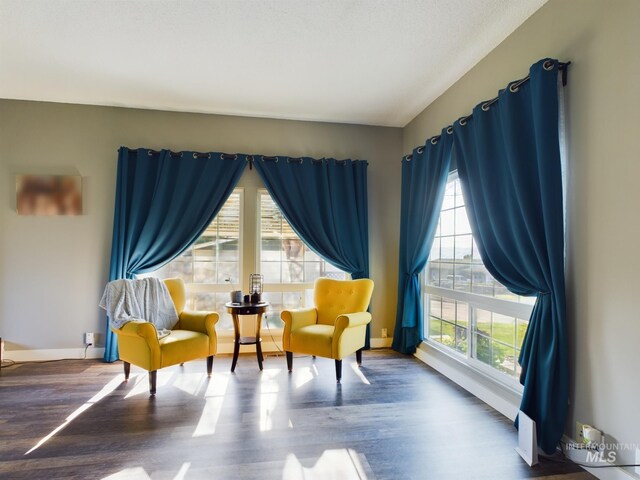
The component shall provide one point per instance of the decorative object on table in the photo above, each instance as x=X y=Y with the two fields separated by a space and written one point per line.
x=48 y=195
x=247 y=299
x=255 y=287
x=236 y=296
x=337 y=325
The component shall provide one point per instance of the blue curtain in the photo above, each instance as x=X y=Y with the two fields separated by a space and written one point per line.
x=508 y=157
x=325 y=201
x=164 y=201
x=424 y=179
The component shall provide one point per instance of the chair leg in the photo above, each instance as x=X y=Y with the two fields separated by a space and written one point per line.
x=152 y=382
x=338 y=370
x=209 y=364
x=289 y=361
x=359 y=356
x=127 y=370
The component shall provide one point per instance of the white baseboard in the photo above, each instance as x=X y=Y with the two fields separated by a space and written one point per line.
x=491 y=396
x=381 y=342
x=51 y=354
x=612 y=473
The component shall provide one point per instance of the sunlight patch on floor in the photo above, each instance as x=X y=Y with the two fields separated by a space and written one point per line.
x=304 y=375
x=214 y=398
x=340 y=463
x=268 y=397
x=106 y=390
x=190 y=383
x=183 y=471
x=359 y=374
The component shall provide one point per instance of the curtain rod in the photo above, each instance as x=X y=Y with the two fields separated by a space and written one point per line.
x=252 y=158
x=513 y=87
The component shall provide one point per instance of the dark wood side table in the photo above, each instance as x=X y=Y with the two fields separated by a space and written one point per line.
x=237 y=309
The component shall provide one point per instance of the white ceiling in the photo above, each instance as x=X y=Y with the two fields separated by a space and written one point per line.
x=377 y=62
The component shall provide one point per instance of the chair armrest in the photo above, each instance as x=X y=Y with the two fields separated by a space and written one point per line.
x=350 y=320
x=138 y=344
x=146 y=330
x=203 y=322
x=294 y=319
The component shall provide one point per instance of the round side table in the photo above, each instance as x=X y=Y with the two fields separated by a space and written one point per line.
x=237 y=309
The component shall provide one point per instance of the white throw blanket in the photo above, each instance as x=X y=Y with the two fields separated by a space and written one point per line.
x=145 y=299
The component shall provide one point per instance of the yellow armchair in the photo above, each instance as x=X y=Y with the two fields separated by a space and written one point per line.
x=193 y=337
x=335 y=327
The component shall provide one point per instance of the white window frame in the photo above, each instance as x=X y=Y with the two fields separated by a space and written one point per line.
x=474 y=301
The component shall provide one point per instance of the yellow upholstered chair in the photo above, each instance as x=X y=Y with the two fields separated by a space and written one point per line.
x=193 y=337
x=335 y=327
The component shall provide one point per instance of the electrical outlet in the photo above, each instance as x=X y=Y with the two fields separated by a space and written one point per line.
x=579 y=435
x=88 y=338
x=384 y=333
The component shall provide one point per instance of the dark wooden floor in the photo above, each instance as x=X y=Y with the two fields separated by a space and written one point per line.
x=394 y=419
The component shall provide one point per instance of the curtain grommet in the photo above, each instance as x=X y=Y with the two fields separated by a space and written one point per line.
x=485 y=107
x=434 y=140
x=419 y=150
x=513 y=88
x=449 y=129
x=548 y=65
x=463 y=121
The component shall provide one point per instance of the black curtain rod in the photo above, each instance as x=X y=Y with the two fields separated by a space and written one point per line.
x=513 y=87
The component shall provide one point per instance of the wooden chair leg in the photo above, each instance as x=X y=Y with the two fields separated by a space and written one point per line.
x=289 y=361
x=209 y=364
x=127 y=370
x=359 y=356
x=338 y=370
x=152 y=382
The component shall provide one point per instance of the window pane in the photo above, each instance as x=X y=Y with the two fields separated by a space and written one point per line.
x=449 y=196
x=435 y=306
x=462 y=221
x=446 y=275
x=521 y=326
x=448 y=334
x=433 y=274
x=449 y=310
x=461 y=340
x=462 y=277
x=435 y=329
x=483 y=322
x=504 y=328
x=462 y=314
x=311 y=271
x=447 y=223
x=482 y=281
x=270 y=271
x=463 y=248
x=204 y=272
x=435 y=250
x=447 y=248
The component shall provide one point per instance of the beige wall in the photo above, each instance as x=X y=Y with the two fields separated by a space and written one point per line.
x=53 y=270
x=601 y=39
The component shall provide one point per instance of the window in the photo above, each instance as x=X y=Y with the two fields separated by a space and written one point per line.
x=288 y=265
x=212 y=265
x=468 y=311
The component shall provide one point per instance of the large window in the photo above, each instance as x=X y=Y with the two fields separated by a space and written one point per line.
x=211 y=267
x=288 y=265
x=468 y=311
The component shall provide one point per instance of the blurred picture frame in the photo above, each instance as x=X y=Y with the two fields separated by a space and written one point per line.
x=48 y=195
